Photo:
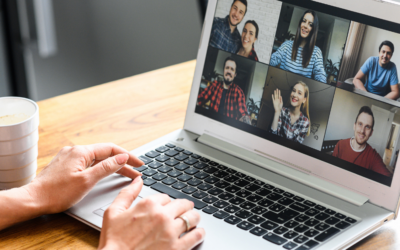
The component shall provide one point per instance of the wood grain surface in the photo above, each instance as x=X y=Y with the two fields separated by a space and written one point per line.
x=129 y=112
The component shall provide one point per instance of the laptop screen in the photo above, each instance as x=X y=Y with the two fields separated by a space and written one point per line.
x=311 y=77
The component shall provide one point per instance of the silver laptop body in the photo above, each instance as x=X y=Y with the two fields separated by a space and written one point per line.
x=294 y=168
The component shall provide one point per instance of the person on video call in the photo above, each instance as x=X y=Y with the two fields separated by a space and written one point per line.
x=301 y=56
x=381 y=74
x=249 y=36
x=356 y=149
x=292 y=122
x=153 y=223
x=224 y=32
x=226 y=97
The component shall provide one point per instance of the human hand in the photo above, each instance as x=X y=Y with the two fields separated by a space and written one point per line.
x=69 y=176
x=277 y=101
x=153 y=223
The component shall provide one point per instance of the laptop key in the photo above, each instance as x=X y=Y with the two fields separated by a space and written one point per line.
x=189 y=190
x=241 y=183
x=308 y=245
x=242 y=193
x=210 y=199
x=141 y=168
x=179 y=149
x=177 y=195
x=174 y=173
x=191 y=161
x=162 y=158
x=187 y=152
x=263 y=192
x=327 y=234
x=170 y=145
x=322 y=226
x=290 y=235
x=213 y=163
x=231 y=178
x=199 y=194
x=162 y=149
x=332 y=220
x=311 y=233
x=299 y=207
x=181 y=157
x=184 y=177
x=247 y=205
x=290 y=245
x=210 y=169
x=309 y=203
x=259 y=210
x=256 y=219
x=342 y=225
x=252 y=187
x=312 y=222
x=232 y=209
x=179 y=185
x=232 y=189
x=220 y=204
x=200 y=165
x=301 y=228
x=221 y=174
x=276 y=208
x=204 y=186
x=236 y=200
x=269 y=225
x=211 y=179
x=312 y=212
x=240 y=175
x=320 y=208
x=291 y=224
x=285 y=201
x=243 y=214
x=350 y=220
x=274 y=238
x=289 y=195
x=220 y=214
x=181 y=166
x=340 y=216
x=194 y=182
x=258 y=231
x=159 y=176
x=301 y=239
x=145 y=159
x=265 y=203
x=282 y=217
x=215 y=191
x=149 y=172
x=201 y=175
x=222 y=184
x=297 y=198
x=279 y=191
x=148 y=182
x=232 y=220
x=203 y=159
x=152 y=154
x=171 y=162
x=280 y=230
x=254 y=198
x=225 y=196
x=210 y=210
x=155 y=164
x=191 y=171
x=274 y=196
x=322 y=216
x=231 y=171
x=268 y=186
x=302 y=218
x=249 y=178
x=171 y=153
x=164 y=169
x=330 y=211
x=169 y=181
x=196 y=156
x=245 y=225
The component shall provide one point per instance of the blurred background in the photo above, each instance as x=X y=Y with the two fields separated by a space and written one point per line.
x=52 y=47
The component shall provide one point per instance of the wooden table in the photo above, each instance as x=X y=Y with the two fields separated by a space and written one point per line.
x=129 y=112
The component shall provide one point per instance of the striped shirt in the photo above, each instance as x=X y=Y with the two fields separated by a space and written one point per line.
x=222 y=38
x=314 y=70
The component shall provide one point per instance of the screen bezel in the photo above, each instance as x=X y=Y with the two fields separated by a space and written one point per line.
x=377 y=193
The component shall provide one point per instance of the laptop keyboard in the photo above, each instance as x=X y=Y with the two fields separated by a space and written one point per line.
x=251 y=205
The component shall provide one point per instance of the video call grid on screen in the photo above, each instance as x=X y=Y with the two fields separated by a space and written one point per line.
x=327 y=126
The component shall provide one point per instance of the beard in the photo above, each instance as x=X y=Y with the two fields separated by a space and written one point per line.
x=227 y=82
x=230 y=22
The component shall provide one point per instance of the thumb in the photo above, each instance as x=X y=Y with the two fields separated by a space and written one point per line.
x=126 y=196
x=107 y=167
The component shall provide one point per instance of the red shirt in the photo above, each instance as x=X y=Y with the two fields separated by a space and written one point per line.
x=235 y=100
x=368 y=158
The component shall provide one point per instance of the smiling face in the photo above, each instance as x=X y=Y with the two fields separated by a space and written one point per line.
x=248 y=36
x=306 y=25
x=229 y=72
x=363 y=128
x=237 y=12
x=385 y=55
x=297 y=96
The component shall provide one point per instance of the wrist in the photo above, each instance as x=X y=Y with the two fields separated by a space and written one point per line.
x=35 y=201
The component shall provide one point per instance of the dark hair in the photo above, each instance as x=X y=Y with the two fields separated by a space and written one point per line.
x=230 y=59
x=243 y=2
x=367 y=110
x=312 y=38
x=255 y=25
x=387 y=43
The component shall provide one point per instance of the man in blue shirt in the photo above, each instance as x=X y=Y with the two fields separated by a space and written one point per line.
x=224 y=32
x=381 y=74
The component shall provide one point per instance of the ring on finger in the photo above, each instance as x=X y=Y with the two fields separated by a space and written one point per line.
x=186 y=220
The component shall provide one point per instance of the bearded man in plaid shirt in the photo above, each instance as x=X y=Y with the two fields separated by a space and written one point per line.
x=226 y=97
x=224 y=32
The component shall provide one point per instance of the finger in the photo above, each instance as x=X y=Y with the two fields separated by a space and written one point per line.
x=127 y=195
x=128 y=171
x=162 y=199
x=180 y=224
x=107 y=167
x=192 y=238
x=178 y=207
x=102 y=151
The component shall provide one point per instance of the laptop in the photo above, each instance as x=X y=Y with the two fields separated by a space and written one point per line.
x=280 y=148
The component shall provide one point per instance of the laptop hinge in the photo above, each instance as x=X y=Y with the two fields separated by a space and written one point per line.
x=280 y=166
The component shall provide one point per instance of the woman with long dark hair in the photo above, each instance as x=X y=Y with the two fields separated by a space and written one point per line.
x=301 y=56
x=249 y=37
x=292 y=122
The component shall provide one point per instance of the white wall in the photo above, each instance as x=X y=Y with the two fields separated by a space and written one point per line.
x=257 y=86
x=296 y=16
x=338 y=40
x=266 y=14
x=319 y=117
x=373 y=37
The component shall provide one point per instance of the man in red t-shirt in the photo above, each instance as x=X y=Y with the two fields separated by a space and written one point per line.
x=356 y=149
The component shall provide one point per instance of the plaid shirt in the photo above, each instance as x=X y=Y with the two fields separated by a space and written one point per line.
x=222 y=38
x=297 y=131
x=235 y=103
x=253 y=55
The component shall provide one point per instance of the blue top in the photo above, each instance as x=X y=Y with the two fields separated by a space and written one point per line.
x=222 y=38
x=314 y=70
x=379 y=79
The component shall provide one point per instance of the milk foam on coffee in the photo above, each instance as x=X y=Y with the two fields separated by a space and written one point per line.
x=12 y=119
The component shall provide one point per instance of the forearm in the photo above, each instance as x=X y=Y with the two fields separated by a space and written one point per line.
x=359 y=84
x=17 y=205
x=393 y=95
x=275 y=121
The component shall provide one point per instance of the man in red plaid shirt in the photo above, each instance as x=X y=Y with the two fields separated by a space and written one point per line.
x=226 y=97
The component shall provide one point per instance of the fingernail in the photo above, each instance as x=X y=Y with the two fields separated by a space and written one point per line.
x=137 y=179
x=122 y=158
